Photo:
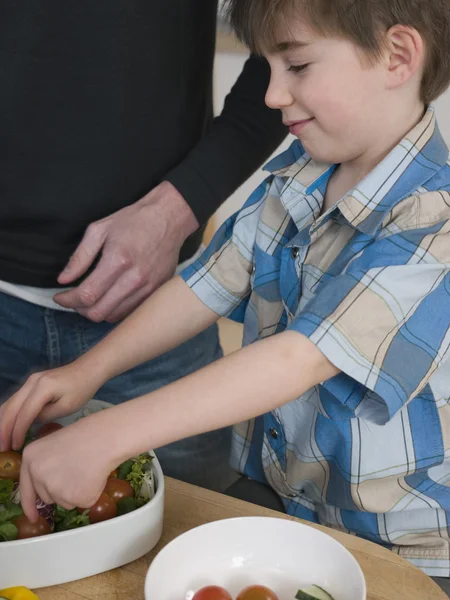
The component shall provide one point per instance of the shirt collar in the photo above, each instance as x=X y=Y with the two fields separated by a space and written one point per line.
x=415 y=160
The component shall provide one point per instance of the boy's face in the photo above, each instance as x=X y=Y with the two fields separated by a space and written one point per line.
x=330 y=99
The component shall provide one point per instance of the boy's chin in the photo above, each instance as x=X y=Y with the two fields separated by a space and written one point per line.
x=319 y=155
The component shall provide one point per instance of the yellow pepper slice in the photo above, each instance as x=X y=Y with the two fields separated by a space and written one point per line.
x=18 y=593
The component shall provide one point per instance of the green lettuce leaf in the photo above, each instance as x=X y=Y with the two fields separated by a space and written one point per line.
x=9 y=511
x=140 y=473
x=8 y=532
x=125 y=469
x=70 y=519
x=6 y=489
x=126 y=505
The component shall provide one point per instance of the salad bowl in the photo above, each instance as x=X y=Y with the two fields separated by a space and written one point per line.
x=78 y=553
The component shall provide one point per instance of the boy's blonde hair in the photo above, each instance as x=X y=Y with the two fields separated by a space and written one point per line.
x=362 y=21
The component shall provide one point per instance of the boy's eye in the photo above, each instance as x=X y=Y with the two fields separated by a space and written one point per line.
x=298 y=68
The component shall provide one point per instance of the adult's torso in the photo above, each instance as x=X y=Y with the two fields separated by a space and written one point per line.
x=98 y=101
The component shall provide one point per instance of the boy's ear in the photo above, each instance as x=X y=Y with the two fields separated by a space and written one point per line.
x=405 y=53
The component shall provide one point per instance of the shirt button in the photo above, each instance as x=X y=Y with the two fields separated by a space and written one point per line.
x=274 y=433
x=295 y=252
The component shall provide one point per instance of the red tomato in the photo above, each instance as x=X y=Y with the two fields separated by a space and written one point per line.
x=105 y=508
x=118 y=489
x=10 y=462
x=257 y=592
x=212 y=592
x=27 y=529
x=49 y=428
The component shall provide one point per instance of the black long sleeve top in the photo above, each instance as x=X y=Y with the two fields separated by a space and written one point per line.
x=102 y=100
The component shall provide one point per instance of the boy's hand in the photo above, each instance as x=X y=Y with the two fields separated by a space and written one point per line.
x=69 y=467
x=48 y=395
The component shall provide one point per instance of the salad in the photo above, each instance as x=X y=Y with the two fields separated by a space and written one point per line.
x=128 y=487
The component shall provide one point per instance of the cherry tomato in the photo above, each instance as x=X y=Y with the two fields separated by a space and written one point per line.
x=49 y=428
x=27 y=529
x=10 y=462
x=257 y=592
x=212 y=592
x=118 y=489
x=114 y=474
x=105 y=508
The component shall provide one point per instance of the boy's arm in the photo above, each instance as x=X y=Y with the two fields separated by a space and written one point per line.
x=247 y=383
x=171 y=316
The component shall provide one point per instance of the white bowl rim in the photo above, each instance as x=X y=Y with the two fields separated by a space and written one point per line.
x=213 y=524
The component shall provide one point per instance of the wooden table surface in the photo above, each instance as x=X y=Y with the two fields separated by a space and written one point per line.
x=388 y=576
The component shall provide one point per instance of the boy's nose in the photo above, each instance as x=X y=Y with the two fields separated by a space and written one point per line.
x=277 y=95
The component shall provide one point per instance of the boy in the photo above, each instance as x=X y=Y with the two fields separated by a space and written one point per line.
x=339 y=267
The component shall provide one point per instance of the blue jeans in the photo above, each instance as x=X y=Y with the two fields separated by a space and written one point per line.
x=33 y=338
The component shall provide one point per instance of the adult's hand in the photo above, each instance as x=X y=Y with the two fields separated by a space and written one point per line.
x=139 y=247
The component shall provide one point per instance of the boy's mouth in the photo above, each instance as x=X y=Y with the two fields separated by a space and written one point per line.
x=296 y=127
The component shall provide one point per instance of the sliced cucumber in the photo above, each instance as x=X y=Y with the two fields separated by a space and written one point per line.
x=314 y=592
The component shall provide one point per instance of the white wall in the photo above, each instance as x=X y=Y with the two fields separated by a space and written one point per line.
x=443 y=113
x=228 y=67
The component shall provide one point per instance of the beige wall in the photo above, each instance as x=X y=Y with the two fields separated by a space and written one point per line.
x=228 y=67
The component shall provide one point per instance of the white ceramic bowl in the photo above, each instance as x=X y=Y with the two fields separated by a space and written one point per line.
x=70 y=555
x=234 y=553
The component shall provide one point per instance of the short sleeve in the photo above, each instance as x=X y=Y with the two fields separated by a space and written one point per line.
x=221 y=277
x=384 y=323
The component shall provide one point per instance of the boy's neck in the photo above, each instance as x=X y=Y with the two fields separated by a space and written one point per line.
x=349 y=174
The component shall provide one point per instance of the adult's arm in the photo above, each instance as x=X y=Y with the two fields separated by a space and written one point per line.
x=241 y=138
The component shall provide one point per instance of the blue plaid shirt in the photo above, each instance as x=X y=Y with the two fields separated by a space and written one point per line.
x=367 y=451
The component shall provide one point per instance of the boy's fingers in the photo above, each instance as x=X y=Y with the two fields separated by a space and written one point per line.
x=43 y=494
x=30 y=409
x=28 y=495
x=64 y=504
x=8 y=415
x=54 y=410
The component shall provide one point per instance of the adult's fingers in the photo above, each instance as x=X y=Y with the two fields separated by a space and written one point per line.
x=85 y=253
x=124 y=289
x=91 y=291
